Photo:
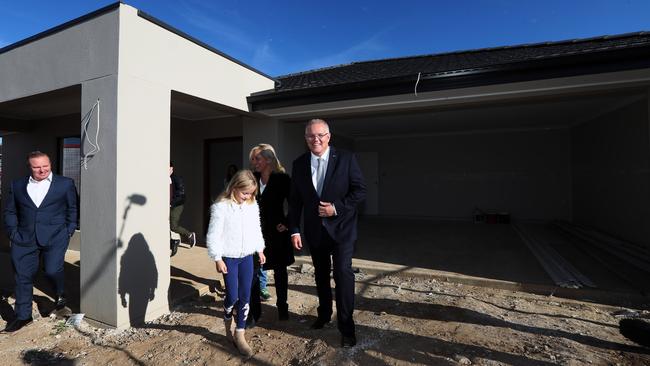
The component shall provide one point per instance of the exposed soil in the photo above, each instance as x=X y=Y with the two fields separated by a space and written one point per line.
x=400 y=321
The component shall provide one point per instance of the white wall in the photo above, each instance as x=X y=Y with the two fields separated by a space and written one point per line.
x=142 y=162
x=187 y=153
x=151 y=52
x=611 y=168
x=525 y=173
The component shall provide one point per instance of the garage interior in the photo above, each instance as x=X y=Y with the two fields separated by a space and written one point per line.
x=547 y=190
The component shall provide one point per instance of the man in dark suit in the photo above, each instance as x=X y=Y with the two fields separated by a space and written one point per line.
x=327 y=185
x=40 y=216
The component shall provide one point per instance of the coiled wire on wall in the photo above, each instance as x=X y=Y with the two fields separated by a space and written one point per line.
x=85 y=123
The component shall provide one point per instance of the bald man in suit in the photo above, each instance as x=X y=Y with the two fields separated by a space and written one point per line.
x=40 y=216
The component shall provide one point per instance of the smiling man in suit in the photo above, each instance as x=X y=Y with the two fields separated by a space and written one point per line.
x=40 y=216
x=326 y=187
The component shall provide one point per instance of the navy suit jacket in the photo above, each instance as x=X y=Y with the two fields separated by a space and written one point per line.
x=52 y=223
x=344 y=186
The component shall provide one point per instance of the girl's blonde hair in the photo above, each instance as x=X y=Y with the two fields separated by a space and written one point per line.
x=268 y=152
x=241 y=181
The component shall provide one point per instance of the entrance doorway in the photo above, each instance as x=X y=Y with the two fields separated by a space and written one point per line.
x=220 y=153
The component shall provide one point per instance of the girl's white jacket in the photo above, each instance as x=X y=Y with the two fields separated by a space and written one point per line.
x=235 y=230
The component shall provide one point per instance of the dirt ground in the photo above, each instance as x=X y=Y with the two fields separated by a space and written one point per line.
x=400 y=321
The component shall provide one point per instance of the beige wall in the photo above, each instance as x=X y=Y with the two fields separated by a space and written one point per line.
x=143 y=135
x=151 y=52
x=525 y=173
x=611 y=168
x=187 y=153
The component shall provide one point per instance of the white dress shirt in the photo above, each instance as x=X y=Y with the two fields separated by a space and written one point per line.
x=314 y=170
x=262 y=186
x=314 y=166
x=37 y=190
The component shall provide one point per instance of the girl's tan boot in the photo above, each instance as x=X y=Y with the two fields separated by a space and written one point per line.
x=242 y=345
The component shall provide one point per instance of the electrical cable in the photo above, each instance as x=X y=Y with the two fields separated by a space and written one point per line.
x=85 y=122
x=416 y=84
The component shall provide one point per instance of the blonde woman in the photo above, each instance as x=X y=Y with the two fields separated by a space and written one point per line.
x=234 y=235
x=274 y=191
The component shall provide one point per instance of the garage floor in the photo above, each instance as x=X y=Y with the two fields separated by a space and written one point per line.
x=478 y=254
x=492 y=251
x=479 y=250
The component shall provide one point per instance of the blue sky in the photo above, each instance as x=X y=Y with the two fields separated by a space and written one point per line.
x=281 y=36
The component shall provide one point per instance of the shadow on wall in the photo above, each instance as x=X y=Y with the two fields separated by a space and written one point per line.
x=109 y=254
x=138 y=278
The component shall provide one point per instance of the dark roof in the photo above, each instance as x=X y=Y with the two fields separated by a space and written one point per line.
x=456 y=61
x=560 y=55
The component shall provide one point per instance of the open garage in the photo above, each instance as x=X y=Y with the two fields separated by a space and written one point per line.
x=523 y=172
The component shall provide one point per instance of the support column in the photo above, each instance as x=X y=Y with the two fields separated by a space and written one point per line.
x=98 y=250
x=125 y=203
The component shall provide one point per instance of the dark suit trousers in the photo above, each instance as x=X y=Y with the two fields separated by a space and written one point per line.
x=25 y=261
x=341 y=257
x=255 y=300
x=281 y=278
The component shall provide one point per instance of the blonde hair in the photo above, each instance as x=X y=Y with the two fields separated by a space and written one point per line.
x=242 y=180
x=268 y=152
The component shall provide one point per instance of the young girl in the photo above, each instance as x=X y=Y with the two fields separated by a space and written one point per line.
x=234 y=235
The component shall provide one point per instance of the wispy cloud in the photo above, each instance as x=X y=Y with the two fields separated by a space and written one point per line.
x=364 y=50
x=264 y=58
x=228 y=27
x=230 y=33
x=214 y=26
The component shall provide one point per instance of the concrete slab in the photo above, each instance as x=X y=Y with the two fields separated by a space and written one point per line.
x=492 y=252
x=465 y=253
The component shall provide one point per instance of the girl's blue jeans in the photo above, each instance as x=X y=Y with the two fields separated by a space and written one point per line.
x=238 y=288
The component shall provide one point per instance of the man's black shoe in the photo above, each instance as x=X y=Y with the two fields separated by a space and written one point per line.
x=16 y=324
x=174 y=245
x=348 y=341
x=60 y=302
x=192 y=239
x=319 y=323
x=283 y=313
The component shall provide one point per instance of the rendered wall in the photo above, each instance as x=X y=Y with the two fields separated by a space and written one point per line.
x=446 y=176
x=153 y=53
x=143 y=135
x=130 y=66
x=99 y=215
x=611 y=173
x=187 y=153
x=83 y=52
x=293 y=143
